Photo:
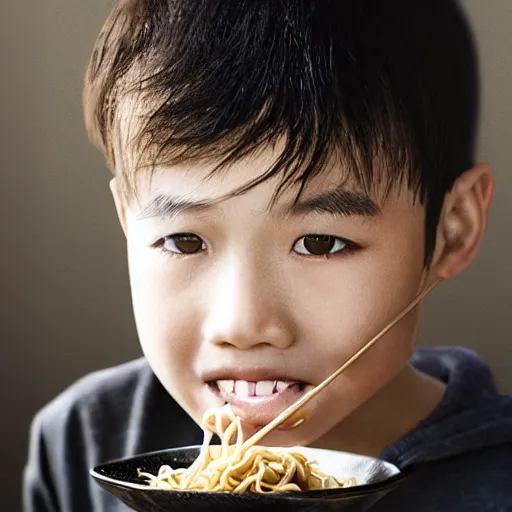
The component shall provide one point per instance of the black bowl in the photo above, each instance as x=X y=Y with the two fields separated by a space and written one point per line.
x=374 y=477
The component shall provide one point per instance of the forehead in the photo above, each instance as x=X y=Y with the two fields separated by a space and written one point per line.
x=204 y=181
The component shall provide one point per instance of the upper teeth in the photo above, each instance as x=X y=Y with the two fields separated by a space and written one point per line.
x=245 y=389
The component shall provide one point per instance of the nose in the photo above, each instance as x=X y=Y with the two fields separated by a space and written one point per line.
x=245 y=308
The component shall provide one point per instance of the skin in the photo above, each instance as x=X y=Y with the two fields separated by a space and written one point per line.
x=249 y=300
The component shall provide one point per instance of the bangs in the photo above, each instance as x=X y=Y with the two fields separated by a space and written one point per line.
x=227 y=79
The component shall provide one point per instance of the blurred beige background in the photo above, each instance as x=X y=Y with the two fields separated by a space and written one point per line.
x=65 y=298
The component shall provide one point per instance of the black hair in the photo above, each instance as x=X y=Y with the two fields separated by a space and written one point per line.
x=389 y=85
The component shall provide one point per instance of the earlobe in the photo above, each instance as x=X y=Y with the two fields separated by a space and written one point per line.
x=463 y=221
x=119 y=203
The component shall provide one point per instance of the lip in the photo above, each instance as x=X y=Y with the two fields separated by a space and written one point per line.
x=261 y=410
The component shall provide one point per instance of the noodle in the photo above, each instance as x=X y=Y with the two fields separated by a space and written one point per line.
x=234 y=468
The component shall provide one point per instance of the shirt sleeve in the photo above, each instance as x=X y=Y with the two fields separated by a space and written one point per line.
x=38 y=490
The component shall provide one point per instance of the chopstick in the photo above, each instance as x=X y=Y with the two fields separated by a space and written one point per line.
x=287 y=413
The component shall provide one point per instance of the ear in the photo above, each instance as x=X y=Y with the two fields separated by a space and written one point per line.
x=119 y=203
x=463 y=221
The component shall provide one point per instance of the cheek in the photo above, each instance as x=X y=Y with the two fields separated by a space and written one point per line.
x=342 y=323
x=165 y=318
x=342 y=310
x=350 y=301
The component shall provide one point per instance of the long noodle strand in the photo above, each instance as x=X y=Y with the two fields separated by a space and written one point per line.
x=235 y=468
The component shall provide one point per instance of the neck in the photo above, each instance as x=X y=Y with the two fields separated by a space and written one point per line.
x=396 y=409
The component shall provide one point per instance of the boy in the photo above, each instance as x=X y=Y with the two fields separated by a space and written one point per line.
x=289 y=176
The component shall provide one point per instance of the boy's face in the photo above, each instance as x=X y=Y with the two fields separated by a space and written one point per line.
x=247 y=309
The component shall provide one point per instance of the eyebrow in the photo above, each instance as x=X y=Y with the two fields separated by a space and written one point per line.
x=167 y=206
x=340 y=202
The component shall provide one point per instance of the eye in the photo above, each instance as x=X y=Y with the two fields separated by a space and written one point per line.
x=183 y=243
x=320 y=245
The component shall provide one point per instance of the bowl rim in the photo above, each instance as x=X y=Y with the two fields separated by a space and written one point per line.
x=326 y=494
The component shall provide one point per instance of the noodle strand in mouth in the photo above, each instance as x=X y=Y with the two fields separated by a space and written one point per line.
x=234 y=468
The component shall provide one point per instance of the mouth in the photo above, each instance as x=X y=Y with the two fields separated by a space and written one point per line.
x=259 y=402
